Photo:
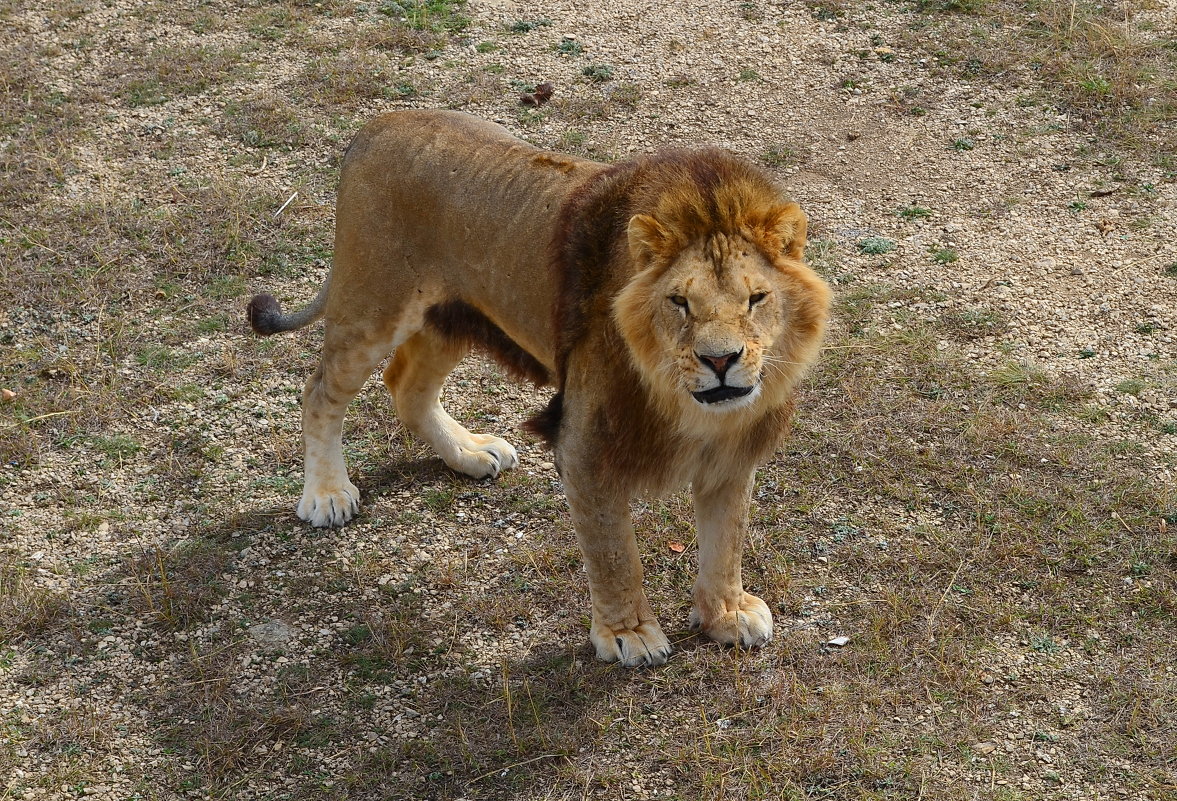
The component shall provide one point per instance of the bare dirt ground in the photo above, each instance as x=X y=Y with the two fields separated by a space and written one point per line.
x=979 y=495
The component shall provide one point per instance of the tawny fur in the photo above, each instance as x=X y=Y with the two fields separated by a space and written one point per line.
x=665 y=297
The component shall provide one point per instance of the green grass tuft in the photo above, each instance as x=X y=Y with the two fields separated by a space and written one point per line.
x=875 y=245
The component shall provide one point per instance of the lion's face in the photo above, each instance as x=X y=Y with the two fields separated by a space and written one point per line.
x=722 y=323
x=718 y=311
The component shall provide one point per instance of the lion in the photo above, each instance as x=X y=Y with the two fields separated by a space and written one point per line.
x=666 y=298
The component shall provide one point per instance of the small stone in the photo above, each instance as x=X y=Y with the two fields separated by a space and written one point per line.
x=546 y=465
x=984 y=749
x=7 y=395
x=838 y=642
x=272 y=633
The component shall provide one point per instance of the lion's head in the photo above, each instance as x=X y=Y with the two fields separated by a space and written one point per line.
x=722 y=313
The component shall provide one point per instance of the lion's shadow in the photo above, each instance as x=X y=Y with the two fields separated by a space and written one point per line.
x=464 y=723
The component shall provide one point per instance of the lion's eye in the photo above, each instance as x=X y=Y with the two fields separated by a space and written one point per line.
x=679 y=300
x=756 y=298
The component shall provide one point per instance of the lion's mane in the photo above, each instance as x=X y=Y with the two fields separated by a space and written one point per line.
x=699 y=194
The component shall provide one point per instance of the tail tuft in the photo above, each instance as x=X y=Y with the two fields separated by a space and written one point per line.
x=546 y=423
x=265 y=314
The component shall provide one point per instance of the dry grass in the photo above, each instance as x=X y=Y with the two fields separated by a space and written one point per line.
x=1110 y=66
x=41 y=127
x=26 y=609
x=175 y=586
x=266 y=121
x=353 y=76
x=401 y=38
x=159 y=75
x=201 y=242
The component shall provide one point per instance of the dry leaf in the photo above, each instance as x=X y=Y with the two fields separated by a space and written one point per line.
x=677 y=547
x=543 y=93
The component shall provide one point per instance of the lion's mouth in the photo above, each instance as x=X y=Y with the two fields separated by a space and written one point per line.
x=721 y=393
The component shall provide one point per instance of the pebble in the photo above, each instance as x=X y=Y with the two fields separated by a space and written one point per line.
x=272 y=633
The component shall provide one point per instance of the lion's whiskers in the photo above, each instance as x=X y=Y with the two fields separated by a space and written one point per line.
x=776 y=360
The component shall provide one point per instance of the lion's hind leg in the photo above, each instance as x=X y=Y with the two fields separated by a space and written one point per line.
x=349 y=356
x=414 y=378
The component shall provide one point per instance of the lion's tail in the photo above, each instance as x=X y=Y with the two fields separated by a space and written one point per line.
x=266 y=317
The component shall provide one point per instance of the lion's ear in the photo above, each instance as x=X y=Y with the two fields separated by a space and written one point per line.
x=789 y=223
x=647 y=238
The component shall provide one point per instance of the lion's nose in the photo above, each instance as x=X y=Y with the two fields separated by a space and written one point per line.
x=720 y=363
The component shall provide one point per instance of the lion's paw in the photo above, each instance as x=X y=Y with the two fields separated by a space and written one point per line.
x=485 y=456
x=324 y=509
x=642 y=646
x=748 y=625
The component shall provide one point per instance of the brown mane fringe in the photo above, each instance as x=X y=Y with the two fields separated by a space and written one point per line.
x=461 y=322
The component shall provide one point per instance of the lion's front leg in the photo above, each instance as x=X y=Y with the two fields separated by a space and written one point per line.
x=624 y=628
x=723 y=611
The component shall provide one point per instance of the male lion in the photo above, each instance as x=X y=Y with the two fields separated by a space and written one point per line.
x=665 y=297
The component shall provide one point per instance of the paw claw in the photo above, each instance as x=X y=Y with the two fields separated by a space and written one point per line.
x=484 y=456
x=329 y=509
x=749 y=625
x=643 y=646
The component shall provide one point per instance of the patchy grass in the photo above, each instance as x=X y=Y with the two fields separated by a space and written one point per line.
x=1114 y=70
x=26 y=609
x=428 y=15
x=43 y=125
x=626 y=95
x=598 y=73
x=200 y=244
x=351 y=77
x=784 y=155
x=398 y=37
x=973 y=323
x=944 y=255
x=160 y=75
x=914 y=212
x=569 y=47
x=175 y=586
x=528 y=25
x=265 y=121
